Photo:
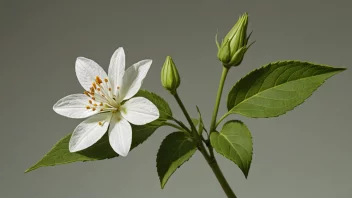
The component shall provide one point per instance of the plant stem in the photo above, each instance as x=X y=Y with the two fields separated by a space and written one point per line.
x=181 y=124
x=219 y=121
x=219 y=175
x=225 y=70
x=194 y=130
x=210 y=158
x=175 y=126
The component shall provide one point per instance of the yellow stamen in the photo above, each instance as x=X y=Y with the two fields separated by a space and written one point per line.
x=92 y=90
x=93 y=98
x=98 y=80
x=88 y=107
x=118 y=87
x=87 y=93
x=95 y=105
x=98 y=89
x=101 y=124
x=94 y=109
x=94 y=85
x=106 y=80
x=109 y=89
x=101 y=104
x=90 y=102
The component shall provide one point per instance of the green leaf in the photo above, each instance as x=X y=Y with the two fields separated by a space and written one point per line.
x=175 y=149
x=163 y=106
x=60 y=154
x=276 y=88
x=235 y=143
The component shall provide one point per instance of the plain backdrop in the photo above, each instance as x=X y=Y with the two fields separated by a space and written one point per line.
x=305 y=153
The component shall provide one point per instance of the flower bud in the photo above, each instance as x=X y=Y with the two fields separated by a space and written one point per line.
x=234 y=45
x=170 y=79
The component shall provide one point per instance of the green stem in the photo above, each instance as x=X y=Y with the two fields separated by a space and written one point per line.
x=210 y=158
x=223 y=117
x=225 y=70
x=181 y=124
x=194 y=130
x=218 y=173
x=174 y=125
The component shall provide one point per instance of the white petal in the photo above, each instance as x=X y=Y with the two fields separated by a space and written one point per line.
x=87 y=70
x=74 y=106
x=133 y=78
x=120 y=135
x=139 y=111
x=89 y=132
x=117 y=69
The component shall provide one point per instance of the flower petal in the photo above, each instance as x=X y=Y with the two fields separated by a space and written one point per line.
x=89 y=132
x=120 y=135
x=74 y=106
x=133 y=78
x=139 y=111
x=87 y=70
x=117 y=69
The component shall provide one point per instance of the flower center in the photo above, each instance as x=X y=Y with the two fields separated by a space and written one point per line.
x=102 y=97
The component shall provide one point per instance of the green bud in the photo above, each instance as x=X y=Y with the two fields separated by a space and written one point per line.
x=234 y=44
x=170 y=79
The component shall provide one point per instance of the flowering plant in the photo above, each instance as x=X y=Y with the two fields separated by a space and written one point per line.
x=120 y=115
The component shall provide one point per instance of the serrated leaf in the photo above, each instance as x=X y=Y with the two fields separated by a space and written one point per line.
x=163 y=106
x=60 y=154
x=235 y=143
x=175 y=149
x=276 y=88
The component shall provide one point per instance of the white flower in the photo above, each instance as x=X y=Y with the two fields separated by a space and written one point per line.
x=102 y=103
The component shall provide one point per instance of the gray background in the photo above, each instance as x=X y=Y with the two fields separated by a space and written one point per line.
x=304 y=153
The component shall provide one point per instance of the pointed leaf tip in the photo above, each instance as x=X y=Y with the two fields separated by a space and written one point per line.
x=277 y=88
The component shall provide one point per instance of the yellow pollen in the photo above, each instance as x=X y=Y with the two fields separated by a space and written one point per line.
x=92 y=90
x=101 y=124
x=98 y=89
x=94 y=85
x=93 y=98
x=106 y=80
x=88 y=107
x=101 y=104
x=103 y=95
x=87 y=93
x=118 y=87
x=98 y=80
x=95 y=105
x=109 y=89
x=94 y=109
x=90 y=102
x=101 y=109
